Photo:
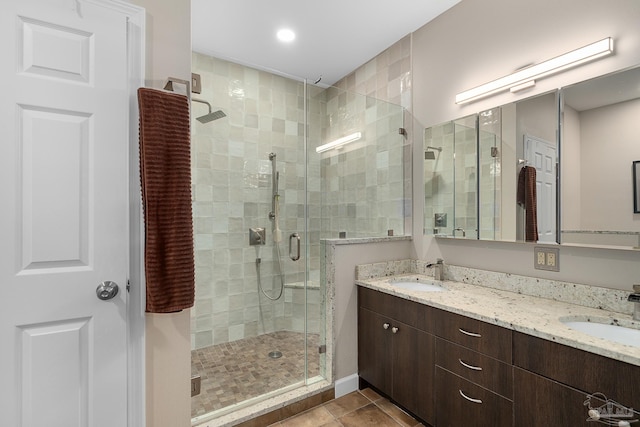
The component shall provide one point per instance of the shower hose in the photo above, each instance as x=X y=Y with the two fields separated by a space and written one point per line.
x=280 y=274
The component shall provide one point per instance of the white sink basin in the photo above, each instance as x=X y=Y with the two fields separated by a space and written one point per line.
x=610 y=332
x=417 y=286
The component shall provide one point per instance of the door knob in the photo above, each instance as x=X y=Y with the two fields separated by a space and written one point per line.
x=107 y=290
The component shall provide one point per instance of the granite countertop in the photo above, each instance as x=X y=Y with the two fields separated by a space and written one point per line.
x=531 y=315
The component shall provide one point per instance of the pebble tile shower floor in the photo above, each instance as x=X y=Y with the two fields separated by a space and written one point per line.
x=236 y=371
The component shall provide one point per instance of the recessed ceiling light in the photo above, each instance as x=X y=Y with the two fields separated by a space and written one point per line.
x=286 y=35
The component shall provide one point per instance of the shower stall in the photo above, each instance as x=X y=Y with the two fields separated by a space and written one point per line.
x=263 y=199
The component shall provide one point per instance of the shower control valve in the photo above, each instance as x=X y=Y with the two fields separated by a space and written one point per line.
x=257 y=236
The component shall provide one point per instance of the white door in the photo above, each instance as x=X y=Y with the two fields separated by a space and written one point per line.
x=64 y=215
x=541 y=154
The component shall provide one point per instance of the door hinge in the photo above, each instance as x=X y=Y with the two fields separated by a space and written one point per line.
x=128 y=286
x=195 y=385
x=322 y=349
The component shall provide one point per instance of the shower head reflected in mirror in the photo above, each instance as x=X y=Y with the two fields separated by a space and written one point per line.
x=431 y=155
x=211 y=116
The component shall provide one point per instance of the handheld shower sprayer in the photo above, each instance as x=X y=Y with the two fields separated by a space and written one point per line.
x=274 y=215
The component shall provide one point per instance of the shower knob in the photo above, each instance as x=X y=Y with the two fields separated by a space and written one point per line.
x=107 y=290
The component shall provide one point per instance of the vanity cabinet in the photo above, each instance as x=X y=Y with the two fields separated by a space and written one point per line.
x=552 y=382
x=474 y=375
x=396 y=350
x=452 y=370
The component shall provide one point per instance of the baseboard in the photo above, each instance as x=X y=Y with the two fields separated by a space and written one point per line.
x=346 y=385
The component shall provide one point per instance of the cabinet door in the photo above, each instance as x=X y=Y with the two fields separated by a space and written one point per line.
x=374 y=350
x=539 y=401
x=579 y=369
x=413 y=370
x=462 y=403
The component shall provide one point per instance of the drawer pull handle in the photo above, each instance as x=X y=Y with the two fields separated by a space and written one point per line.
x=475 y=368
x=386 y=326
x=469 y=398
x=394 y=330
x=471 y=334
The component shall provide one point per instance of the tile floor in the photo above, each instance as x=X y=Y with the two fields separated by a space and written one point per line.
x=240 y=370
x=360 y=408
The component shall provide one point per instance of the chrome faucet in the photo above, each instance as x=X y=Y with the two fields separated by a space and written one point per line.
x=438 y=268
x=635 y=299
x=464 y=234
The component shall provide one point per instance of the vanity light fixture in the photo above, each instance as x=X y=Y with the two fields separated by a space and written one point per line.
x=339 y=142
x=526 y=77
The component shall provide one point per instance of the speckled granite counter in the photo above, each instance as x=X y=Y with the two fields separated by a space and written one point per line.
x=513 y=309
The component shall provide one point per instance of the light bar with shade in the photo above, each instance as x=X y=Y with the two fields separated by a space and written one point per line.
x=339 y=142
x=523 y=77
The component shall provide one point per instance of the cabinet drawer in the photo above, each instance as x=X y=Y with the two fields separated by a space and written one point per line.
x=482 y=337
x=462 y=403
x=483 y=370
x=410 y=312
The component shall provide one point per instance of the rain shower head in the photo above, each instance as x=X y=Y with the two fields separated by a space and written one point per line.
x=210 y=116
x=431 y=155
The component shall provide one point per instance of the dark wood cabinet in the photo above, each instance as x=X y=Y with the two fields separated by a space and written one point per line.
x=452 y=370
x=395 y=357
x=462 y=403
x=478 y=368
x=540 y=401
x=565 y=376
x=474 y=375
x=483 y=337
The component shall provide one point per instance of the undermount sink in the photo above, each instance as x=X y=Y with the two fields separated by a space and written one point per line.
x=611 y=332
x=412 y=285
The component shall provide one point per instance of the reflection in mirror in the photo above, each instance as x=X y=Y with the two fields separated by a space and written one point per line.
x=451 y=179
x=472 y=169
x=489 y=174
x=600 y=141
x=529 y=130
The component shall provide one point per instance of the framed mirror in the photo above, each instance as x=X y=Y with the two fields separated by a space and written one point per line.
x=600 y=143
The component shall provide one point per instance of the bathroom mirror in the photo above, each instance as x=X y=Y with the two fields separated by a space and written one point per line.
x=451 y=178
x=586 y=198
x=600 y=141
x=471 y=188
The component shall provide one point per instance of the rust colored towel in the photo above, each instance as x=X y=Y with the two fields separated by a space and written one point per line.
x=165 y=174
x=527 y=197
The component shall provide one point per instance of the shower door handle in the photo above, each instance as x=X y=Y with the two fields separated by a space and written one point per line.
x=294 y=255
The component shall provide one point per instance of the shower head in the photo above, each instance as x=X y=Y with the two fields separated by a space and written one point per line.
x=430 y=155
x=211 y=116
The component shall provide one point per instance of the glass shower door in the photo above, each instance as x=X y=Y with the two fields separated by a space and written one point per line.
x=251 y=338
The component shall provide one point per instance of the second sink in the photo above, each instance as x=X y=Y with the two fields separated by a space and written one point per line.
x=607 y=331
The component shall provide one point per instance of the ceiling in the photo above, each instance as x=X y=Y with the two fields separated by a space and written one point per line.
x=605 y=90
x=333 y=37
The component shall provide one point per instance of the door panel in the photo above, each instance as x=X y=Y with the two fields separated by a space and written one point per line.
x=542 y=155
x=64 y=225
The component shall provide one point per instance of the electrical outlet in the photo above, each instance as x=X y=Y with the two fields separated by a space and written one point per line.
x=546 y=258
x=551 y=259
